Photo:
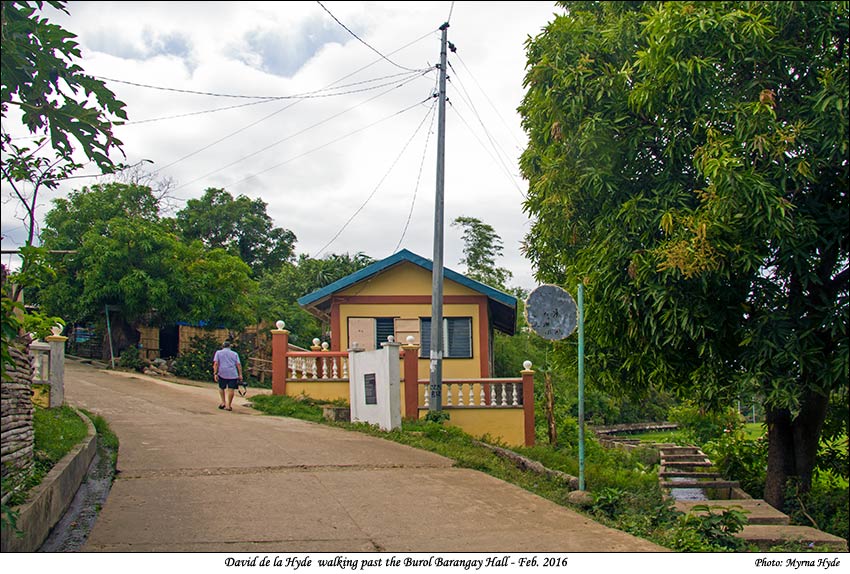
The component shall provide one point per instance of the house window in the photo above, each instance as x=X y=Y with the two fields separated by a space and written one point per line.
x=384 y=327
x=457 y=337
x=368 y=333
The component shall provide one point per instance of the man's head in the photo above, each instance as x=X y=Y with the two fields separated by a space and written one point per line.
x=226 y=344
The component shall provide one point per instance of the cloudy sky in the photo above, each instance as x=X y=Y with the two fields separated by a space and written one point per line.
x=278 y=100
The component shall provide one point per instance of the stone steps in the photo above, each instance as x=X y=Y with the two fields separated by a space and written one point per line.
x=766 y=527
x=757 y=511
x=766 y=536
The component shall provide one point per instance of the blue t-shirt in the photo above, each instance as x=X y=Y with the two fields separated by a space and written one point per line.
x=227 y=360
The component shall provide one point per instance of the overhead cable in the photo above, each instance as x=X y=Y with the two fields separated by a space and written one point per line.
x=377 y=187
x=418 y=179
x=347 y=29
x=290 y=136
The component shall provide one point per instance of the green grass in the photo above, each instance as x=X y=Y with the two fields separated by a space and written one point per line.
x=752 y=431
x=56 y=431
x=107 y=440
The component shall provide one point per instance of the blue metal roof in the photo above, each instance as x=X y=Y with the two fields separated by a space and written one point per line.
x=404 y=255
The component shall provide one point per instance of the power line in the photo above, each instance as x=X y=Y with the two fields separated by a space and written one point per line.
x=377 y=187
x=496 y=147
x=347 y=29
x=357 y=71
x=485 y=148
x=418 y=179
x=312 y=94
x=489 y=101
x=289 y=137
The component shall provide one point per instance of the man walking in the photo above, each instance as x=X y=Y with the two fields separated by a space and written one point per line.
x=227 y=372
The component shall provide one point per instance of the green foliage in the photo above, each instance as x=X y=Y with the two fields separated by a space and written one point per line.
x=716 y=529
x=197 y=362
x=438 y=417
x=481 y=246
x=54 y=95
x=824 y=507
x=131 y=359
x=127 y=255
x=278 y=292
x=107 y=439
x=688 y=163
x=741 y=459
x=701 y=425
x=297 y=407
x=56 y=431
x=241 y=226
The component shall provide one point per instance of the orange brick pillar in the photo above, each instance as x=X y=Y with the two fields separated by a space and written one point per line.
x=411 y=381
x=528 y=404
x=280 y=346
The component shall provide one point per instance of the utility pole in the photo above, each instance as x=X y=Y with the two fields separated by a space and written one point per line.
x=436 y=372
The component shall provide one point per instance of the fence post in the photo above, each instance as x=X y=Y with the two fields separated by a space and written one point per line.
x=528 y=402
x=56 y=378
x=411 y=381
x=280 y=363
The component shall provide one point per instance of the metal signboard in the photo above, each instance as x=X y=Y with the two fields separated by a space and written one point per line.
x=551 y=312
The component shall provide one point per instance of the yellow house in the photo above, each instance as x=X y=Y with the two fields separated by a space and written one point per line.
x=393 y=297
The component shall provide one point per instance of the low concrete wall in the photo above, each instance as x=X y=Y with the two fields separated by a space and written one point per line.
x=49 y=500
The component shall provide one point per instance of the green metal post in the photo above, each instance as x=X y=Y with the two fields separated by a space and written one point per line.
x=581 y=387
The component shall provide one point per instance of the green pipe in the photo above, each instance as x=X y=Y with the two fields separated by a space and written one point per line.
x=580 y=386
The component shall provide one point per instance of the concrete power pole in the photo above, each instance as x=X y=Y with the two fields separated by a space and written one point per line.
x=436 y=371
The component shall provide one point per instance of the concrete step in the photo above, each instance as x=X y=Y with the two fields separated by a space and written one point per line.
x=670 y=463
x=700 y=484
x=757 y=510
x=768 y=536
x=686 y=474
x=680 y=449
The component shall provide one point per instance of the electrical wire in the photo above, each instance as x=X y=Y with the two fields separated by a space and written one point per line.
x=312 y=94
x=486 y=97
x=263 y=119
x=496 y=147
x=467 y=98
x=377 y=187
x=418 y=179
x=485 y=148
x=289 y=137
x=347 y=29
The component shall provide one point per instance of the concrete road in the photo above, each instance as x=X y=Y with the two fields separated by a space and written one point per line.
x=193 y=478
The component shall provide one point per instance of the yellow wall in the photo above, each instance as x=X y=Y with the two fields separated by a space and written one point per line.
x=505 y=424
x=321 y=391
x=404 y=279
x=411 y=280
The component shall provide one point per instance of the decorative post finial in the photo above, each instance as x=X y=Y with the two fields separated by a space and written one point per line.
x=280 y=325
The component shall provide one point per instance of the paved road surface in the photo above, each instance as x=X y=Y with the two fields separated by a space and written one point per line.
x=196 y=479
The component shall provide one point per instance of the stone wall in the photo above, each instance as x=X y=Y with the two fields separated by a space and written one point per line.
x=16 y=409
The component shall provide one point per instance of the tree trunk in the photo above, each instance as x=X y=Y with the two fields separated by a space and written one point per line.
x=780 y=456
x=793 y=446
x=550 y=410
x=807 y=431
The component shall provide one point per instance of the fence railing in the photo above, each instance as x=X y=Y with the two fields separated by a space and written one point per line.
x=485 y=393
x=321 y=365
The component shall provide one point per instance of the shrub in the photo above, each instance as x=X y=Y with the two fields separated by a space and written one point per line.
x=703 y=530
x=741 y=459
x=702 y=426
x=131 y=359
x=197 y=363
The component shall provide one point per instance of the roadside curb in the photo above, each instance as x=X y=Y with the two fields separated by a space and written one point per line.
x=49 y=500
